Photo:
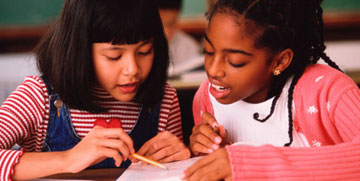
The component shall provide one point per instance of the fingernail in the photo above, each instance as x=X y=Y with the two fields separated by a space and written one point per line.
x=218 y=139
x=201 y=112
x=215 y=147
x=210 y=150
x=183 y=176
x=215 y=125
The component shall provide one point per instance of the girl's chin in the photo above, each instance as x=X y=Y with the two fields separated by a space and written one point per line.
x=125 y=98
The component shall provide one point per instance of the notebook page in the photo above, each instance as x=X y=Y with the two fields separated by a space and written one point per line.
x=137 y=171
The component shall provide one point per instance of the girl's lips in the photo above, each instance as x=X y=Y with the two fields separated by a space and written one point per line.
x=219 y=91
x=128 y=88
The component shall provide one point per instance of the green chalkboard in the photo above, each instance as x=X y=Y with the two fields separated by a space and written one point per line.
x=28 y=12
x=39 y=12
x=193 y=8
x=341 y=5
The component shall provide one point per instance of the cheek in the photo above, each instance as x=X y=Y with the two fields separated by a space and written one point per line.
x=103 y=71
x=207 y=63
x=146 y=66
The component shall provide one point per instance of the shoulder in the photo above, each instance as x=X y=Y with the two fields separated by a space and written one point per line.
x=203 y=89
x=319 y=76
x=169 y=90
x=169 y=93
x=33 y=84
x=201 y=102
x=321 y=87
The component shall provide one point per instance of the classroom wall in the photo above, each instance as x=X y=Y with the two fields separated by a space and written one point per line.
x=37 y=12
x=14 y=67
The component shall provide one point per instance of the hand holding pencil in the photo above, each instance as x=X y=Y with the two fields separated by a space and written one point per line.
x=149 y=161
x=164 y=147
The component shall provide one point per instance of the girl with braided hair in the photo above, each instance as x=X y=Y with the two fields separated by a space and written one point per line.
x=268 y=109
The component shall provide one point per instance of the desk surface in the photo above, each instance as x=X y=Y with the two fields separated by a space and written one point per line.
x=355 y=75
x=93 y=174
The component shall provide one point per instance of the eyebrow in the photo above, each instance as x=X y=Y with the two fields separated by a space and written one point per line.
x=114 y=47
x=229 y=50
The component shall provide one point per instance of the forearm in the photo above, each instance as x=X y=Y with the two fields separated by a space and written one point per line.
x=33 y=165
x=268 y=162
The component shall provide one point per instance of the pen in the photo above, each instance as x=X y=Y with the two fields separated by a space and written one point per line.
x=147 y=160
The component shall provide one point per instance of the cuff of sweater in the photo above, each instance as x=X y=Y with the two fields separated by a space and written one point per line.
x=14 y=160
x=249 y=162
x=236 y=160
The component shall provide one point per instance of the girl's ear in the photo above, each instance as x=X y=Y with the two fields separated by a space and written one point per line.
x=283 y=60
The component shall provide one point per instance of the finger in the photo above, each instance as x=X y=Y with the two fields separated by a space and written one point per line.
x=199 y=148
x=111 y=153
x=207 y=173
x=157 y=143
x=162 y=142
x=167 y=151
x=222 y=132
x=204 y=141
x=116 y=133
x=144 y=149
x=180 y=155
x=207 y=131
x=189 y=172
x=207 y=118
x=117 y=145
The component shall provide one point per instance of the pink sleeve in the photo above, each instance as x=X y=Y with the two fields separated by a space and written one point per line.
x=340 y=162
x=201 y=102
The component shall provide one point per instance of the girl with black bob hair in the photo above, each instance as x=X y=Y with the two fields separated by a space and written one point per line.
x=268 y=109
x=66 y=52
x=102 y=95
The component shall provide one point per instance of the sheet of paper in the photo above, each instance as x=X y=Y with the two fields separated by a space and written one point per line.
x=137 y=171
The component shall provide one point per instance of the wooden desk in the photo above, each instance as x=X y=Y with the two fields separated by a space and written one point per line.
x=93 y=174
x=355 y=75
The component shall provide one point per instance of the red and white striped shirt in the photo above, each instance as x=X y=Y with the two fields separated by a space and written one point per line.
x=25 y=113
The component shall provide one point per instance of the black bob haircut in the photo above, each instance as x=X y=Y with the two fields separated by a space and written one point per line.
x=64 y=55
x=169 y=4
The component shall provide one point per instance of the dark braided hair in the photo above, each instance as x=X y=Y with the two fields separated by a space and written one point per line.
x=282 y=24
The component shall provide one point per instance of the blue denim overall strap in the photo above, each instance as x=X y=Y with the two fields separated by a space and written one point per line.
x=61 y=134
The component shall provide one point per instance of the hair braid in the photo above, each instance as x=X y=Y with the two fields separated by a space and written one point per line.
x=256 y=115
x=289 y=105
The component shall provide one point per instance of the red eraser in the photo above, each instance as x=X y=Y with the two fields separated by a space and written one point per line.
x=108 y=123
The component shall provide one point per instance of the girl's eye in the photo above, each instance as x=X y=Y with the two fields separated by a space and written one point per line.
x=236 y=65
x=114 y=58
x=207 y=52
x=146 y=52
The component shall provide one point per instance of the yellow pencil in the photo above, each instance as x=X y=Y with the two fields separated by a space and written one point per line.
x=147 y=160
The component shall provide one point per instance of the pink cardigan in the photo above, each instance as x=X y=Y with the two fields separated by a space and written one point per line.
x=327 y=112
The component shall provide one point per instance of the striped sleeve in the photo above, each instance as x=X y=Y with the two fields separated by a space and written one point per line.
x=170 y=115
x=20 y=116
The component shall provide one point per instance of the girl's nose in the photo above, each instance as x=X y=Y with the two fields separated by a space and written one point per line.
x=214 y=67
x=130 y=66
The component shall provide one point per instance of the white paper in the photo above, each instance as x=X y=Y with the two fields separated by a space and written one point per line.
x=138 y=171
